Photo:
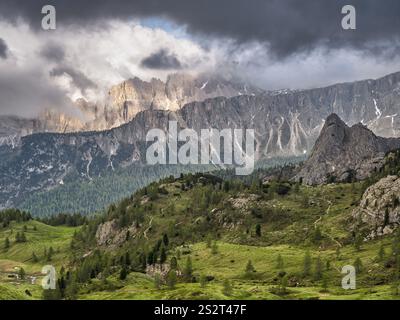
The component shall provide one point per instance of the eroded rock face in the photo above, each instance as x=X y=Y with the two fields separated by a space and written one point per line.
x=379 y=208
x=134 y=95
x=108 y=234
x=343 y=152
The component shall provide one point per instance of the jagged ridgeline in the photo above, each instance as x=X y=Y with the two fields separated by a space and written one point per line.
x=286 y=124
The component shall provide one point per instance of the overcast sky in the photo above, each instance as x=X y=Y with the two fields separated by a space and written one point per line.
x=271 y=44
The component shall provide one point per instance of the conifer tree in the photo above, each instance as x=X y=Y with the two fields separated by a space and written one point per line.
x=203 y=281
x=163 y=255
x=381 y=253
x=358 y=265
x=188 y=271
x=279 y=263
x=307 y=264
x=34 y=258
x=249 y=268
x=171 y=279
x=214 y=248
x=6 y=244
x=318 y=269
x=227 y=288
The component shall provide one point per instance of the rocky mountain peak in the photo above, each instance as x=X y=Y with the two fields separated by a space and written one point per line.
x=342 y=153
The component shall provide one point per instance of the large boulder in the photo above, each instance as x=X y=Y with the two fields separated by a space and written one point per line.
x=379 y=209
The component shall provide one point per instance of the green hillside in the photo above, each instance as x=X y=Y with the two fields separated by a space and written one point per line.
x=204 y=237
x=49 y=244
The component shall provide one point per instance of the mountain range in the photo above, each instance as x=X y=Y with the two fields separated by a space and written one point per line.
x=286 y=123
x=123 y=102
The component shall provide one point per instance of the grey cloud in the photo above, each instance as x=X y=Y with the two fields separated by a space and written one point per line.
x=53 y=52
x=161 y=60
x=79 y=79
x=285 y=26
x=3 y=49
x=27 y=93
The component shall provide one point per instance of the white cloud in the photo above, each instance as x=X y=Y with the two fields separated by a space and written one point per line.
x=106 y=55
x=109 y=54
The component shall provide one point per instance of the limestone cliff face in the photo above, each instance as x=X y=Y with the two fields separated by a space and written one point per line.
x=132 y=96
x=124 y=102
x=379 y=209
x=343 y=152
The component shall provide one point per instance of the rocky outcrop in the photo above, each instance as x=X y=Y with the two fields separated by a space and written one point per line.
x=379 y=209
x=342 y=153
x=110 y=235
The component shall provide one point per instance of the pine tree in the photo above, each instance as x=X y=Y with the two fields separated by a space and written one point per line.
x=357 y=242
x=171 y=279
x=258 y=230
x=279 y=263
x=6 y=244
x=318 y=269
x=21 y=273
x=188 y=271
x=214 y=248
x=386 y=217
x=203 y=281
x=324 y=283
x=165 y=240
x=163 y=255
x=283 y=284
x=209 y=242
x=227 y=288
x=381 y=253
x=34 y=258
x=50 y=254
x=157 y=281
x=317 y=235
x=307 y=264
x=150 y=258
x=249 y=268
x=358 y=265
x=328 y=265
x=123 y=274
x=173 y=263
x=127 y=260
x=337 y=253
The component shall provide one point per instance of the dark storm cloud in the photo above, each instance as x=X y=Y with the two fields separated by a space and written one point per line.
x=161 y=60
x=3 y=49
x=287 y=26
x=78 y=78
x=53 y=52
